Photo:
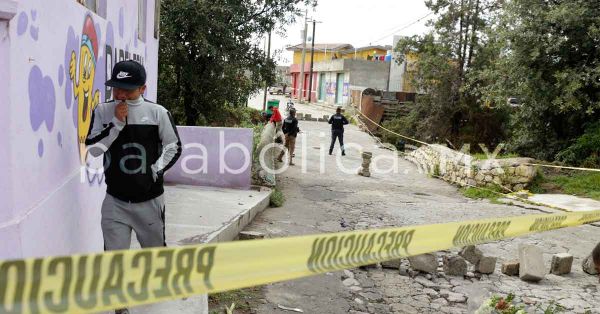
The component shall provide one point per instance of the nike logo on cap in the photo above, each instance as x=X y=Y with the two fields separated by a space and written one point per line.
x=123 y=75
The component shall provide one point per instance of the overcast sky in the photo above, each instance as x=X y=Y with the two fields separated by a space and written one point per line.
x=357 y=22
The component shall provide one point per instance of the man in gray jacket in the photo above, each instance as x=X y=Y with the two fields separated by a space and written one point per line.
x=139 y=142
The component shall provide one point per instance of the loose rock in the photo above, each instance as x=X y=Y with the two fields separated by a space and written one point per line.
x=472 y=254
x=486 y=265
x=350 y=282
x=455 y=266
x=531 y=266
x=251 y=235
x=561 y=264
x=426 y=262
x=588 y=266
x=511 y=268
x=393 y=264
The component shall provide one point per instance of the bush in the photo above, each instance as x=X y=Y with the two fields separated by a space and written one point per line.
x=586 y=149
x=277 y=198
x=230 y=116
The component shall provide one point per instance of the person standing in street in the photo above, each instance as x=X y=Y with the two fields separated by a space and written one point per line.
x=140 y=143
x=337 y=122
x=290 y=130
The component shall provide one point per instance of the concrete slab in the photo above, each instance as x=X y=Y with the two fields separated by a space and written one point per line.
x=567 y=202
x=196 y=215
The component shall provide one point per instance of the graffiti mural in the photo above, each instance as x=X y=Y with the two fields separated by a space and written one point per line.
x=82 y=75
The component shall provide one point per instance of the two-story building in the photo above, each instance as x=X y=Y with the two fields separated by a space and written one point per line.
x=338 y=68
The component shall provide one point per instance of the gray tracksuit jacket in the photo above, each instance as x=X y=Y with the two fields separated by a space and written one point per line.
x=137 y=152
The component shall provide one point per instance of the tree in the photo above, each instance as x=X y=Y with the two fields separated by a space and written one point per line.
x=209 y=56
x=549 y=58
x=447 y=57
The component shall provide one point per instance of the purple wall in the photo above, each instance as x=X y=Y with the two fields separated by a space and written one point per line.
x=48 y=206
x=220 y=157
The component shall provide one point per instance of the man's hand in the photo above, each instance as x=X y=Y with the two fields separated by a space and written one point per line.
x=121 y=111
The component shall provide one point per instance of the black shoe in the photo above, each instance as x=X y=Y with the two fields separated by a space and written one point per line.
x=343 y=153
x=329 y=153
x=122 y=311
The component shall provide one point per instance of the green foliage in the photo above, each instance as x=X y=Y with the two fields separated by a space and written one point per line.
x=536 y=185
x=482 y=156
x=479 y=193
x=583 y=184
x=230 y=116
x=585 y=150
x=209 y=57
x=277 y=198
x=547 y=56
x=444 y=72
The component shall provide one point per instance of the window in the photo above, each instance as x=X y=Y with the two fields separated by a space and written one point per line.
x=142 y=13
x=156 y=18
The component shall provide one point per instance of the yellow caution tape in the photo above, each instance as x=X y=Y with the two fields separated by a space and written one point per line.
x=117 y=279
x=564 y=167
x=427 y=144
x=390 y=131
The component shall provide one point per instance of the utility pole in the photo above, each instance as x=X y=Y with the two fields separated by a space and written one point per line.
x=303 y=55
x=312 y=56
x=268 y=57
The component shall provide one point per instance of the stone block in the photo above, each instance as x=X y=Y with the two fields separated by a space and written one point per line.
x=426 y=262
x=392 y=264
x=588 y=266
x=486 y=265
x=307 y=116
x=531 y=267
x=455 y=266
x=561 y=263
x=471 y=253
x=497 y=180
x=300 y=116
x=251 y=235
x=489 y=178
x=525 y=171
x=326 y=117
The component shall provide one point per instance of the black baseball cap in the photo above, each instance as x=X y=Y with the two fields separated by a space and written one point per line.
x=127 y=75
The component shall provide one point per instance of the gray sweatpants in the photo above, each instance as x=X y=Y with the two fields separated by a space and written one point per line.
x=147 y=219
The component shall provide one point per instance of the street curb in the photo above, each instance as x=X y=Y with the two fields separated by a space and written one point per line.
x=230 y=230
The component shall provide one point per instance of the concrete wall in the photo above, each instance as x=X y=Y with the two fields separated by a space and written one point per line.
x=356 y=73
x=459 y=168
x=220 y=157
x=368 y=73
x=49 y=205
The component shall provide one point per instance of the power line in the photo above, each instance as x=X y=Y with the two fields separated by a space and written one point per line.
x=401 y=28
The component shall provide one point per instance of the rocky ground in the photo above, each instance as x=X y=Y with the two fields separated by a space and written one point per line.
x=334 y=201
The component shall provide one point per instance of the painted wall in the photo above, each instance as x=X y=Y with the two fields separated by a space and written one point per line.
x=364 y=54
x=59 y=53
x=219 y=157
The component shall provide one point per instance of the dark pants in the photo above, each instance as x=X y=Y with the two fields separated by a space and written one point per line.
x=337 y=134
